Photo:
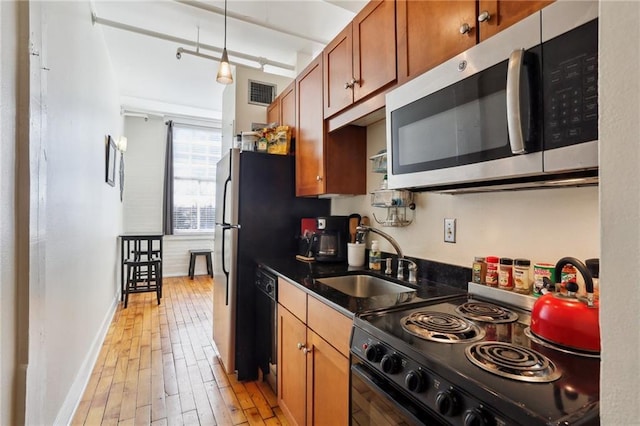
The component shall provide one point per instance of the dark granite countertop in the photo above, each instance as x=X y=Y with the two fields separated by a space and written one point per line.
x=307 y=274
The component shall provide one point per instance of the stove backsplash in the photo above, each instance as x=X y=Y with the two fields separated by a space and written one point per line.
x=441 y=273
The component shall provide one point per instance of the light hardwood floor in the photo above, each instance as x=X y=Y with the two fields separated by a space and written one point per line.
x=158 y=365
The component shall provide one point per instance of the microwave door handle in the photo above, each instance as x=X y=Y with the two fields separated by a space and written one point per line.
x=514 y=115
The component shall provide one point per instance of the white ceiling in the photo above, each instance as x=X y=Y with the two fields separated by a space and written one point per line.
x=151 y=78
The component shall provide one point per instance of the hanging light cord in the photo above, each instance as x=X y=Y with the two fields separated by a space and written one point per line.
x=225 y=24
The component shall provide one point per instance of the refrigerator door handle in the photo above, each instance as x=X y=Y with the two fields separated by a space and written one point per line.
x=224 y=201
x=225 y=228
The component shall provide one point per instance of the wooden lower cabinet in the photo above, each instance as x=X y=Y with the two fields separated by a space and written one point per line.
x=313 y=363
x=292 y=366
x=327 y=383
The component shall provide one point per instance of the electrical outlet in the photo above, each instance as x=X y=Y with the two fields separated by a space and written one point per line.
x=449 y=230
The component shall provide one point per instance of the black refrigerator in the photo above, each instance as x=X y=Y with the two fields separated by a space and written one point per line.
x=257 y=216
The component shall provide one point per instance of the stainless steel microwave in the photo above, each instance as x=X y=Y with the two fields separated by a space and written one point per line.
x=520 y=106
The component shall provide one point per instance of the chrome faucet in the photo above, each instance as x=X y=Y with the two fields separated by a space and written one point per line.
x=361 y=230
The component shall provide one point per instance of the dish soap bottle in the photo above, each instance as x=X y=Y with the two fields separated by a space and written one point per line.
x=374 y=256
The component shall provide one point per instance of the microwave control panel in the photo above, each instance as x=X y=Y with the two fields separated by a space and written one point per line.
x=570 y=70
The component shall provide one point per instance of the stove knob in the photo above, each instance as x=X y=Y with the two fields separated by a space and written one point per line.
x=374 y=353
x=269 y=288
x=476 y=417
x=415 y=381
x=447 y=403
x=391 y=364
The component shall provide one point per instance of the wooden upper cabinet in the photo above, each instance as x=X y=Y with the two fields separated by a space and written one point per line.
x=310 y=131
x=283 y=108
x=326 y=163
x=338 y=72
x=361 y=59
x=374 y=48
x=273 y=111
x=429 y=33
x=501 y=14
x=288 y=107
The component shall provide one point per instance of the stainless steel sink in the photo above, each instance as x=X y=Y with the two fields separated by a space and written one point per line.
x=363 y=285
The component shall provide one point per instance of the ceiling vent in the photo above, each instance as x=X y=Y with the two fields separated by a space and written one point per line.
x=261 y=93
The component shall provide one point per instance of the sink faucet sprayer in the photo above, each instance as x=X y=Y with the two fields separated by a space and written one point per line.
x=362 y=230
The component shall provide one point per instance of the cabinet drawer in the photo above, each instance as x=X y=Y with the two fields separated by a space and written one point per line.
x=334 y=327
x=292 y=298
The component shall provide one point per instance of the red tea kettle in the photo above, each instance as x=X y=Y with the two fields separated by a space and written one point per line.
x=568 y=320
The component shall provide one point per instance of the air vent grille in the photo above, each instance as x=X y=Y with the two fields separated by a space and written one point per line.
x=261 y=93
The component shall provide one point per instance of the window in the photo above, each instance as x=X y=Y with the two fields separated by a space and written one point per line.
x=196 y=150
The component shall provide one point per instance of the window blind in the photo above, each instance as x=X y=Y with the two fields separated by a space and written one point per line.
x=196 y=150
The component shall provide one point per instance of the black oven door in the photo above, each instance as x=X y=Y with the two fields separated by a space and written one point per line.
x=375 y=401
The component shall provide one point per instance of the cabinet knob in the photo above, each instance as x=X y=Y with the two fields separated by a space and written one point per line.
x=350 y=84
x=465 y=28
x=300 y=346
x=484 y=16
x=306 y=350
x=318 y=178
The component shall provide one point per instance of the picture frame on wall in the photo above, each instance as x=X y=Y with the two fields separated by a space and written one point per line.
x=110 y=164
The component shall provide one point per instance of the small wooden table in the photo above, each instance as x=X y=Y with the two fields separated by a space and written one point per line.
x=135 y=246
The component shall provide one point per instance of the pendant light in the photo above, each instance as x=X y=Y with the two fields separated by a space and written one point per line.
x=224 y=71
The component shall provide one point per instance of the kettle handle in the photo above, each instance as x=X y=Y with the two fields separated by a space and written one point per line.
x=581 y=267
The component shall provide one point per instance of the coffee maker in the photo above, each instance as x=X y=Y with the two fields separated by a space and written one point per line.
x=330 y=240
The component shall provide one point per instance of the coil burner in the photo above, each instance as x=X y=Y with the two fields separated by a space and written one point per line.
x=441 y=327
x=513 y=361
x=486 y=312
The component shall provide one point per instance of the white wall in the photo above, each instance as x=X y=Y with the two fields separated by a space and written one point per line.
x=8 y=132
x=144 y=185
x=237 y=113
x=76 y=216
x=620 y=206
x=247 y=113
x=540 y=225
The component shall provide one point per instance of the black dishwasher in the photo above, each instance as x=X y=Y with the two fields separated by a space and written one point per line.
x=266 y=325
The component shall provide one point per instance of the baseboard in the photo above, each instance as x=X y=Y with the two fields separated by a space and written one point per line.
x=71 y=402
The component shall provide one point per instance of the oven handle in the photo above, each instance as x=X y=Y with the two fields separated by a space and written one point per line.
x=514 y=92
x=386 y=391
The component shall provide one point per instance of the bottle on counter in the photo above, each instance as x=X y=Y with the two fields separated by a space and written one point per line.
x=505 y=274
x=374 y=256
x=521 y=277
x=491 y=278
x=479 y=270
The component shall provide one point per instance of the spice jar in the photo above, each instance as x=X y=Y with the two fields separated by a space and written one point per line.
x=479 y=270
x=505 y=274
x=521 y=277
x=540 y=272
x=568 y=274
x=491 y=279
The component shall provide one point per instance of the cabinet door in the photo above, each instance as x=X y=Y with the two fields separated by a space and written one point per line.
x=310 y=131
x=291 y=366
x=273 y=112
x=338 y=72
x=288 y=107
x=504 y=13
x=327 y=383
x=429 y=33
x=374 y=48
